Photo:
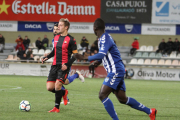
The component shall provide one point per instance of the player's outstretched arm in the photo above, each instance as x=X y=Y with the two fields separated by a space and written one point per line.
x=96 y=63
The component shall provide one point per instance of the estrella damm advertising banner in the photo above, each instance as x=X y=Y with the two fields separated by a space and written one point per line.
x=126 y=11
x=50 y=10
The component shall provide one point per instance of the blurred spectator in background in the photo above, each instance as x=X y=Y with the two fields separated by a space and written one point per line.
x=20 y=53
x=39 y=44
x=161 y=47
x=169 y=47
x=20 y=45
x=86 y=54
x=135 y=46
x=84 y=42
x=26 y=42
x=91 y=68
x=176 y=45
x=29 y=52
x=94 y=46
x=2 y=43
x=45 y=41
x=31 y=57
x=19 y=39
x=24 y=57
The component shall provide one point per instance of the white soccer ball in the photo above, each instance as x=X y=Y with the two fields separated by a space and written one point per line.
x=25 y=105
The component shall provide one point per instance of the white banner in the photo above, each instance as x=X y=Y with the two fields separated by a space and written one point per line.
x=8 y=25
x=166 y=11
x=81 y=28
x=154 y=74
x=152 y=29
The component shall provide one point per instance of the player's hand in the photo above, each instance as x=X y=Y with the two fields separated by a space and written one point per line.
x=44 y=59
x=95 y=63
x=64 y=67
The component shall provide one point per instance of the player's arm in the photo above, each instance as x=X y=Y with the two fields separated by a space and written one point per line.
x=48 y=56
x=104 y=47
x=75 y=53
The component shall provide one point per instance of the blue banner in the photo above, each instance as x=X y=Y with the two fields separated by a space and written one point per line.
x=123 y=28
x=177 y=29
x=36 y=26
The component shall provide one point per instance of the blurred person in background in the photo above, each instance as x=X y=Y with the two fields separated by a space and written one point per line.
x=31 y=57
x=39 y=44
x=94 y=46
x=135 y=46
x=26 y=42
x=20 y=53
x=162 y=46
x=91 y=68
x=24 y=57
x=20 y=45
x=176 y=45
x=169 y=47
x=2 y=42
x=29 y=52
x=19 y=39
x=84 y=42
x=45 y=41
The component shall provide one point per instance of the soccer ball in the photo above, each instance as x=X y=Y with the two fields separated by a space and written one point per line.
x=25 y=106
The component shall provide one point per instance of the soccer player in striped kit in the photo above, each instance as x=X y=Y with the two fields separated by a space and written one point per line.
x=110 y=56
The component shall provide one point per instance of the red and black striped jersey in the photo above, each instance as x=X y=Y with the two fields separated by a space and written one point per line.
x=64 y=46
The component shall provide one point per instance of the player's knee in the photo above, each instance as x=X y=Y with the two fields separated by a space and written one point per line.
x=50 y=88
x=123 y=100
x=101 y=96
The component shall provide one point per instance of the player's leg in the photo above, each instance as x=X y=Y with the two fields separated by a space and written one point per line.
x=63 y=88
x=121 y=96
x=61 y=78
x=50 y=86
x=51 y=83
x=70 y=79
x=108 y=105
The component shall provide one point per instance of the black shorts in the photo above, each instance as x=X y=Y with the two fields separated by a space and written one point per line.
x=56 y=73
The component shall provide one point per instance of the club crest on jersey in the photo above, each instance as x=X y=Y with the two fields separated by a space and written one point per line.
x=65 y=42
x=106 y=79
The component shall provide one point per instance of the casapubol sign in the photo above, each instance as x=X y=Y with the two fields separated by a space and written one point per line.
x=43 y=10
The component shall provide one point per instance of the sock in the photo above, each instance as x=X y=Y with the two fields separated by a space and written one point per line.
x=58 y=96
x=110 y=108
x=73 y=77
x=53 y=91
x=138 y=106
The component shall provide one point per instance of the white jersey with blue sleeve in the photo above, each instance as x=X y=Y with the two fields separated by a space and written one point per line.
x=112 y=61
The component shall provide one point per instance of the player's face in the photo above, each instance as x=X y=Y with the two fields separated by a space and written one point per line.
x=55 y=30
x=62 y=28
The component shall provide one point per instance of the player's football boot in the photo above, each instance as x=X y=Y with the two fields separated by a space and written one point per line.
x=153 y=114
x=55 y=110
x=67 y=102
x=65 y=97
x=80 y=76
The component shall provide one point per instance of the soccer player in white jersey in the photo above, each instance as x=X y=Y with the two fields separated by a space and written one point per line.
x=110 y=56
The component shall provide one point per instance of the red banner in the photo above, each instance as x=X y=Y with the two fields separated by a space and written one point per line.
x=50 y=10
x=100 y=72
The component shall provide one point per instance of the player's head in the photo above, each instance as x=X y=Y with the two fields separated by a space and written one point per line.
x=99 y=25
x=63 y=25
x=55 y=30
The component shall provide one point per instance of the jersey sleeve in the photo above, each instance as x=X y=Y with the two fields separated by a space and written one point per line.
x=73 y=45
x=105 y=44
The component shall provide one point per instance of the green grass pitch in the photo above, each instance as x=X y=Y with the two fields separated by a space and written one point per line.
x=84 y=102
